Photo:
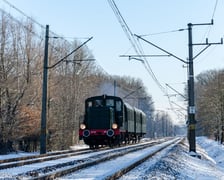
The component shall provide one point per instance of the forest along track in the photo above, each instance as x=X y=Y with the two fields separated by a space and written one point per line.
x=21 y=161
x=63 y=168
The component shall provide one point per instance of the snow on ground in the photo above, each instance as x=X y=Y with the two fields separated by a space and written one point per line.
x=23 y=154
x=176 y=163
x=105 y=169
x=17 y=155
x=214 y=150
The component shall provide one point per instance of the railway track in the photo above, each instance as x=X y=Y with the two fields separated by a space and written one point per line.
x=21 y=161
x=41 y=155
x=117 y=167
x=79 y=161
x=120 y=172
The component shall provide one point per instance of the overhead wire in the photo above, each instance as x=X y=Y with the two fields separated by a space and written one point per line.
x=28 y=17
x=164 y=32
x=208 y=31
x=138 y=48
x=212 y=18
x=19 y=22
x=213 y=14
x=149 y=69
x=135 y=44
x=53 y=34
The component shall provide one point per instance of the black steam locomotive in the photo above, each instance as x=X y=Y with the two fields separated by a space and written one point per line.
x=110 y=121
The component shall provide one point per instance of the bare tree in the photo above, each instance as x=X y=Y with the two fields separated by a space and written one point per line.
x=11 y=91
x=210 y=103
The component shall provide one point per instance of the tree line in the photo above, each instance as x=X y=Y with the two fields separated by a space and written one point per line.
x=209 y=90
x=69 y=84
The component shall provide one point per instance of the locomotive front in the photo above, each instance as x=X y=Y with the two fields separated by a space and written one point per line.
x=103 y=121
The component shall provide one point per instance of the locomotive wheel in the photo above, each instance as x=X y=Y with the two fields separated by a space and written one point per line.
x=94 y=146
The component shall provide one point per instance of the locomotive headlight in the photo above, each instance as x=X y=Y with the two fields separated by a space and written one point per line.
x=82 y=126
x=114 y=126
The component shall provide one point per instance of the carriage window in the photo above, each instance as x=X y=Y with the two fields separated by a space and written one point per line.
x=118 y=105
x=109 y=102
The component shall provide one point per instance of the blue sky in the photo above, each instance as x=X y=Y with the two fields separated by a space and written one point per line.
x=87 y=18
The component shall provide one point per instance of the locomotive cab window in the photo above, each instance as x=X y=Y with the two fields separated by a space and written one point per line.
x=98 y=103
x=110 y=102
x=90 y=104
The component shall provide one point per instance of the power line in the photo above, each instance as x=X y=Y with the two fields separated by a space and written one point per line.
x=207 y=33
x=21 y=12
x=30 y=30
x=213 y=14
x=54 y=35
x=164 y=32
x=19 y=22
x=135 y=44
x=33 y=20
x=137 y=47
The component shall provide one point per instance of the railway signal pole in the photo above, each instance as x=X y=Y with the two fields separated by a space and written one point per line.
x=191 y=122
x=43 y=137
x=191 y=101
x=43 y=131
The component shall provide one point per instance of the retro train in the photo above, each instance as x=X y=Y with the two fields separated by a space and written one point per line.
x=108 y=120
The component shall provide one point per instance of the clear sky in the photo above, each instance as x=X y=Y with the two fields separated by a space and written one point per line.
x=87 y=18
